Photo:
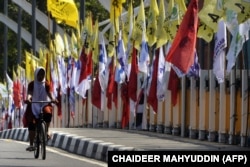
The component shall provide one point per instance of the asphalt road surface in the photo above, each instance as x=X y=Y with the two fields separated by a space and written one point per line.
x=13 y=154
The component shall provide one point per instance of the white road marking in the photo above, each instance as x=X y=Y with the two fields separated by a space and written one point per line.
x=88 y=160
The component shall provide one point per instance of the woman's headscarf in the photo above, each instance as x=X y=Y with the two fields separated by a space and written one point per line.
x=39 y=93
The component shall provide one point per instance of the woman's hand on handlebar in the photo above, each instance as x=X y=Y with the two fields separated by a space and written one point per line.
x=27 y=101
x=55 y=101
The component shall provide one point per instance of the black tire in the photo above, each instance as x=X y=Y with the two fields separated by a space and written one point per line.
x=43 y=140
x=37 y=146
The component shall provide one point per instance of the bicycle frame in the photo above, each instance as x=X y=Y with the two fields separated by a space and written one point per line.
x=41 y=133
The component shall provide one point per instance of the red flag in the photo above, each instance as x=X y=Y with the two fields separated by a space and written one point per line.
x=132 y=84
x=48 y=71
x=181 y=53
x=152 y=96
x=173 y=84
x=111 y=83
x=115 y=93
x=86 y=67
x=96 y=93
x=140 y=98
x=59 y=99
x=125 y=107
x=86 y=70
x=17 y=93
x=10 y=124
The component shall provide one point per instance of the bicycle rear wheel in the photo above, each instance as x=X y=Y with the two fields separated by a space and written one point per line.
x=43 y=140
x=37 y=145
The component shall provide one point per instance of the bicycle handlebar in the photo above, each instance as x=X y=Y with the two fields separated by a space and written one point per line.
x=42 y=102
x=50 y=101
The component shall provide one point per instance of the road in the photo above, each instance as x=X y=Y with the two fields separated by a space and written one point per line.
x=13 y=154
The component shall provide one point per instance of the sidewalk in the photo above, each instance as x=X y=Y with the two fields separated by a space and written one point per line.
x=95 y=143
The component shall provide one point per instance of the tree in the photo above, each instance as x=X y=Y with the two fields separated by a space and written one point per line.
x=42 y=34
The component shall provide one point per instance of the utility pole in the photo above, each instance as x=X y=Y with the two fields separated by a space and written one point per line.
x=34 y=27
x=5 y=39
x=19 y=48
x=82 y=10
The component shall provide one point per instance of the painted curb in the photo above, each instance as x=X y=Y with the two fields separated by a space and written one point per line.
x=80 y=145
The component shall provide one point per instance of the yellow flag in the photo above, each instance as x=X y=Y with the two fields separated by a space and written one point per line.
x=139 y=27
x=66 y=52
x=211 y=13
x=152 y=22
x=87 y=34
x=178 y=9
x=161 y=32
x=244 y=14
x=29 y=66
x=234 y=5
x=48 y=66
x=128 y=25
x=112 y=42
x=64 y=11
x=14 y=75
x=74 y=51
x=59 y=44
x=42 y=58
x=95 y=55
x=115 y=12
x=205 y=32
x=20 y=70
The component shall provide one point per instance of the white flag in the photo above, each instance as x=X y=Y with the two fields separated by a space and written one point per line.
x=161 y=87
x=144 y=56
x=219 y=51
x=9 y=83
x=240 y=36
x=103 y=77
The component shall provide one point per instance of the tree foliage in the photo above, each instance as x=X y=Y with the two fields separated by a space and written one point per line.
x=93 y=6
x=42 y=34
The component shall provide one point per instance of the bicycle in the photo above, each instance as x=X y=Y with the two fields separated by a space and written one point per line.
x=40 y=132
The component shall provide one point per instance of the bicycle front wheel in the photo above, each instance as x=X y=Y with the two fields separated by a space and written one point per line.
x=43 y=140
x=37 y=145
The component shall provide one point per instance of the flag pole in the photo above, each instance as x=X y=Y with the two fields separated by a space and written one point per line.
x=118 y=124
x=246 y=66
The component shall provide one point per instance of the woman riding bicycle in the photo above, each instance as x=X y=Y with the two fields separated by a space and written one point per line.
x=38 y=90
